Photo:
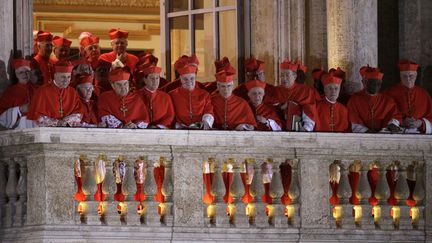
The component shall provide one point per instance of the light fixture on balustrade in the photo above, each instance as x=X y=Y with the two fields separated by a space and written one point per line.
x=415 y=216
x=80 y=172
x=376 y=214
x=354 y=180
x=208 y=198
x=140 y=172
x=334 y=180
x=159 y=175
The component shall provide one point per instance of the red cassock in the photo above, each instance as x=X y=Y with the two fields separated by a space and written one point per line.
x=16 y=95
x=45 y=67
x=89 y=112
x=210 y=87
x=53 y=102
x=130 y=108
x=267 y=112
x=131 y=60
x=270 y=97
x=231 y=112
x=160 y=107
x=374 y=112
x=415 y=102
x=170 y=86
x=302 y=95
x=184 y=100
x=331 y=117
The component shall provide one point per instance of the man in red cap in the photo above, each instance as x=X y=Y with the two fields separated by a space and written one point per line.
x=57 y=104
x=119 y=57
x=332 y=116
x=413 y=102
x=85 y=89
x=147 y=59
x=192 y=105
x=90 y=51
x=119 y=108
x=41 y=60
x=159 y=103
x=223 y=64
x=371 y=111
x=297 y=100
x=231 y=112
x=180 y=63
x=61 y=50
x=15 y=100
x=255 y=71
x=265 y=115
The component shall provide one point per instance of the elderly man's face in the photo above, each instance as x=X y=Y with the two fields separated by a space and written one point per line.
x=331 y=92
x=119 y=45
x=250 y=76
x=45 y=48
x=288 y=78
x=62 y=80
x=92 y=52
x=62 y=52
x=372 y=86
x=23 y=74
x=256 y=96
x=152 y=81
x=188 y=81
x=85 y=91
x=408 y=78
x=260 y=75
x=121 y=87
x=225 y=89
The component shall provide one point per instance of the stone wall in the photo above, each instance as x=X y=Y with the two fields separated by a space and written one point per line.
x=46 y=206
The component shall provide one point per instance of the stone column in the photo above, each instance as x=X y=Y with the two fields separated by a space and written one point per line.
x=6 y=40
x=352 y=36
x=24 y=26
x=316 y=32
x=278 y=32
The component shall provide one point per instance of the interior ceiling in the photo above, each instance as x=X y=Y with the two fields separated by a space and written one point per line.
x=71 y=17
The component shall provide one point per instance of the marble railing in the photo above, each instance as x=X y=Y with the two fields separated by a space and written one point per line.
x=215 y=185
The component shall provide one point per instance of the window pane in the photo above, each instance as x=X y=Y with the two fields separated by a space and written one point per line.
x=179 y=39
x=178 y=5
x=227 y=3
x=228 y=37
x=203 y=4
x=204 y=47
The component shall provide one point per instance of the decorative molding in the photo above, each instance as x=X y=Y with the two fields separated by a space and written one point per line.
x=106 y=3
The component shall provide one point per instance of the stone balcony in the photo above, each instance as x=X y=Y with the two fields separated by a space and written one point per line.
x=37 y=186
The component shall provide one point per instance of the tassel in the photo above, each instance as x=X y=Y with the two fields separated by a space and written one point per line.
x=410 y=200
x=373 y=177
x=99 y=195
x=334 y=199
x=266 y=198
x=354 y=179
x=285 y=170
x=227 y=178
x=159 y=174
x=208 y=179
x=247 y=197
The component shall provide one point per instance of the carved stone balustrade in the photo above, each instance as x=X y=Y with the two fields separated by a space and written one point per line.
x=38 y=186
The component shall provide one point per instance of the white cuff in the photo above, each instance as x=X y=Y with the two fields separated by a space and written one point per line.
x=394 y=121
x=208 y=118
x=273 y=125
x=308 y=124
x=428 y=126
x=111 y=121
x=9 y=118
x=161 y=126
x=142 y=124
x=359 y=128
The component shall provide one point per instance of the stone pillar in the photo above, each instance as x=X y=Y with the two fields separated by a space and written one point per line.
x=316 y=32
x=24 y=26
x=6 y=40
x=278 y=29
x=352 y=36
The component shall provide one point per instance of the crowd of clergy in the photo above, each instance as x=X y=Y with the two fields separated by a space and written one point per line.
x=121 y=90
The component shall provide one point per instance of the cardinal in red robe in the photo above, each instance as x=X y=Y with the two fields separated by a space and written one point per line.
x=42 y=59
x=89 y=107
x=266 y=116
x=119 y=108
x=296 y=99
x=61 y=50
x=57 y=104
x=192 y=105
x=332 y=116
x=15 y=100
x=413 y=102
x=372 y=111
x=231 y=112
x=159 y=103
x=118 y=57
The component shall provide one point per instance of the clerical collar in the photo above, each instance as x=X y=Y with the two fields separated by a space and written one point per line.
x=331 y=102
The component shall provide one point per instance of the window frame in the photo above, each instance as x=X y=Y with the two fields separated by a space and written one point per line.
x=243 y=25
